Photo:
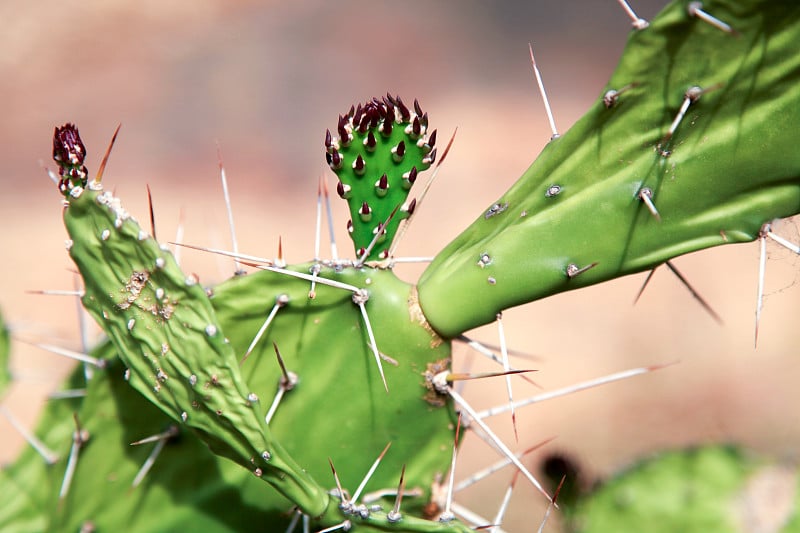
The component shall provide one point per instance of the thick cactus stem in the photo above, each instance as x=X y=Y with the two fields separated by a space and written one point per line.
x=717 y=163
x=380 y=148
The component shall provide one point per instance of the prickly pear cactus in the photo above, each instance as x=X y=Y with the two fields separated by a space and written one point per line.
x=672 y=159
x=297 y=378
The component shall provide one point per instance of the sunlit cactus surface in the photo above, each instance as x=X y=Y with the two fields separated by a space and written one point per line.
x=320 y=396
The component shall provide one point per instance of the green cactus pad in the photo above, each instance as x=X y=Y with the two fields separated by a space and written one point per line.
x=187 y=489
x=578 y=216
x=339 y=408
x=714 y=488
x=378 y=151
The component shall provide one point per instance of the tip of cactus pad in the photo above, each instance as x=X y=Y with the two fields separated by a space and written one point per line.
x=378 y=150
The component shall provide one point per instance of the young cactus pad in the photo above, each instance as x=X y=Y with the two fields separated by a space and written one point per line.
x=208 y=361
x=692 y=145
x=380 y=148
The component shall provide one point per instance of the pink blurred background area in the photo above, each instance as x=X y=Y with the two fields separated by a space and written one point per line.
x=263 y=80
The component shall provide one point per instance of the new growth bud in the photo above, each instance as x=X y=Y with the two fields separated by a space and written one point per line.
x=69 y=153
x=381 y=147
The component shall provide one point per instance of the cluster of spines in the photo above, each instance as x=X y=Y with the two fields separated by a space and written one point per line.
x=379 y=149
x=69 y=153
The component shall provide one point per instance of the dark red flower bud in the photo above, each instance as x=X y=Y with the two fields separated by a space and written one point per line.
x=68 y=148
x=69 y=153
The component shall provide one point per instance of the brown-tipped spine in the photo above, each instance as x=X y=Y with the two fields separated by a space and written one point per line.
x=382 y=186
x=359 y=166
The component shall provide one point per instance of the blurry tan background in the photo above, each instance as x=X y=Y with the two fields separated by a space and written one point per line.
x=265 y=79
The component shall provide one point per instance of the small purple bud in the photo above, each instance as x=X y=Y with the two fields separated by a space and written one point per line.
x=382 y=186
x=69 y=153
x=411 y=207
x=341 y=129
x=417 y=108
x=404 y=112
x=430 y=158
x=370 y=142
x=359 y=165
x=388 y=124
x=376 y=116
x=365 y=213
x=432 y=139
x=336 y=160
x=343 y=190
x=68 y=148
x=363 y=125
x=409 y=178
x=399 y=151
x=358 y=114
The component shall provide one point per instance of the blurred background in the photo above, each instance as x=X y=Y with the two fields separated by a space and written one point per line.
x=263 y=80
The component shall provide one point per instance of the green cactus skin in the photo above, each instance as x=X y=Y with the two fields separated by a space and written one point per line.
x=188 y=489
x=181 y=346
x=165 y=330
x=713 y=488
x=732 y=165
x=380 y=149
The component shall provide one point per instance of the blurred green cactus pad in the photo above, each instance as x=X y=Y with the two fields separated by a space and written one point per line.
x=713 y=488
